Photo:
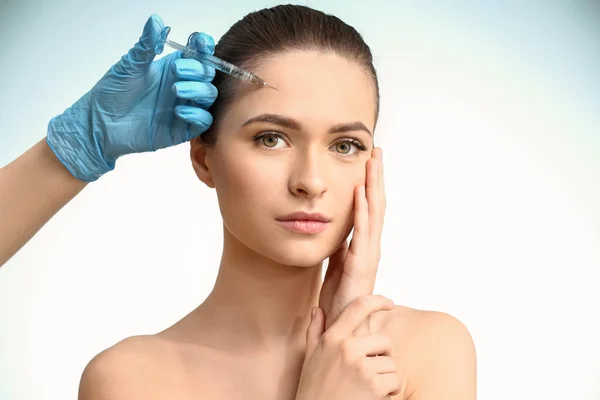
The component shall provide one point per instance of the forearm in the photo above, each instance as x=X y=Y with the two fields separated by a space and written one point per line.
x=32 y=189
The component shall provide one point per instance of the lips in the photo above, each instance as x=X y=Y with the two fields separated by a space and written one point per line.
x=304 y=216
x=306 y=223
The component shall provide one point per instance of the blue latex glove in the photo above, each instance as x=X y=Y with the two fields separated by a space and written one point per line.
x=136 y=107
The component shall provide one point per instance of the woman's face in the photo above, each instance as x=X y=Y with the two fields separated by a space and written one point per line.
x=302 y=147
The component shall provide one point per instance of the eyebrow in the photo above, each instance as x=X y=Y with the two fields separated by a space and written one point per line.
x=290 y=123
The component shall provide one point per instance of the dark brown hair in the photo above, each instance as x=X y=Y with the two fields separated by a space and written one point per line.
x=278 y=29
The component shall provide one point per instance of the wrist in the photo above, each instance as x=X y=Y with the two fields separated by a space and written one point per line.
x=51 y=163
x=72 y=143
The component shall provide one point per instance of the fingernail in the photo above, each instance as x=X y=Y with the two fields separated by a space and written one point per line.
x=313 y=313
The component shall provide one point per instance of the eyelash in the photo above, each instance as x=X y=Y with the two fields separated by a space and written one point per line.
x=352 y=141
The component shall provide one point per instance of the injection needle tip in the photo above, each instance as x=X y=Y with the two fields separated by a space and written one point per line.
x=266 y=84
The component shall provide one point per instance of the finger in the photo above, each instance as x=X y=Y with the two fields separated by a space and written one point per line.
x=315 y=331
x=373 y=344
x=203 y=93
x=138 y=58
x=202 y=42
x=360 y=236
x=335 y=267
x=188 y=69
x=336 y=260
x=357 y=312
x=357 y=266
x=372 y=187
x=382 y=183
x=331 y=283
x=197 y=117
x=389 y=384
x=374 y=198
x=381 y=364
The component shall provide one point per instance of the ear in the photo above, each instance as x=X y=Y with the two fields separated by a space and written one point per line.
x=200 y=155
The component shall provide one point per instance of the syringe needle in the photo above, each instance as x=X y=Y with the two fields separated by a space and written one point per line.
x=218 y=64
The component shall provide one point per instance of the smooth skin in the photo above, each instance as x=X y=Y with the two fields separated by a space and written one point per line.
x=433 y=355
x=252 y=337
x=34 y=188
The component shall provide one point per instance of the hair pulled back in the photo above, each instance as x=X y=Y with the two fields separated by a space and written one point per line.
x=261 y=34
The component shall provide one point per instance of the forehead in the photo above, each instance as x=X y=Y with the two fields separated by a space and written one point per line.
x=317 y=89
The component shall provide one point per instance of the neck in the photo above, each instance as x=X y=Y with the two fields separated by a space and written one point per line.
x=259 y=303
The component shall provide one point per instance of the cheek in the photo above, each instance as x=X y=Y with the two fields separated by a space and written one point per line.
x=343 y=183
x=342 y=200
x=239 y=176
x=348 y=177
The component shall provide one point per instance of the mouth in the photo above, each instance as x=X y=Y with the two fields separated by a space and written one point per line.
x=306 y=223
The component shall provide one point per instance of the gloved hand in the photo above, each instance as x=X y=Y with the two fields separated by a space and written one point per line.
x=136 y=107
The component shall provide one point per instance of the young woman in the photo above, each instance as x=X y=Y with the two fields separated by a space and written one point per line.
x=294 y=169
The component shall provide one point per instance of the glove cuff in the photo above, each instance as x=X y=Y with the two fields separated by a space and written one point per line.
x=73 y=144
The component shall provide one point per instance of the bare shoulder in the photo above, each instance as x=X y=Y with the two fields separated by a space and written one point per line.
x=425 y=325
x=438 y=353
x=128 y=370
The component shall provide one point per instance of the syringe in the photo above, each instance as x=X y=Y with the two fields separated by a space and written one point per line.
x=218 y=64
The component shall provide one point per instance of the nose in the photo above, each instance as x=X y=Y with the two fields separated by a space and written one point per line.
x=306 y=178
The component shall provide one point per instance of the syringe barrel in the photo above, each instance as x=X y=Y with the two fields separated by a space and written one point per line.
x=222 y=65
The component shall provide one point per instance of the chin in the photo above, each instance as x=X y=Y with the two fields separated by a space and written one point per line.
x=301 y=252
x=299 y=259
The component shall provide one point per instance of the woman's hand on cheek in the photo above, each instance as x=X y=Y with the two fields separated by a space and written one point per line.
x=352 y=270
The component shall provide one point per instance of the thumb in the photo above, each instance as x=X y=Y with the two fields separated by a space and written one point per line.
x=315 y=331
x=333 y=275
x=151 y=43
x=336 y=260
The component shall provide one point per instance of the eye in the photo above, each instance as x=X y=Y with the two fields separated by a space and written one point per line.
x=271 y=140
x=343 y=147
x=348 y=146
